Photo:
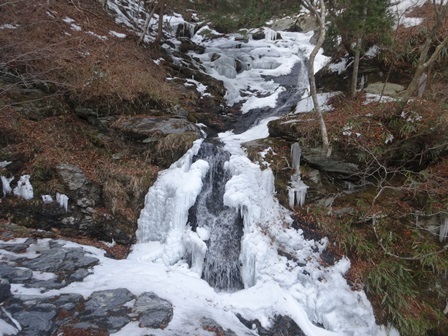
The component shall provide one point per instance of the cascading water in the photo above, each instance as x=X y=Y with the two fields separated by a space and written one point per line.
x=213 y=214
x=222 y=224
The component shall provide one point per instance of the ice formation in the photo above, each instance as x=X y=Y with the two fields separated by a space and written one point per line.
x=62 y=199
x=297 y=188
x=3 y=164
x=165 y=214
x=24 y=188
x=47 y=199
x=6 y=183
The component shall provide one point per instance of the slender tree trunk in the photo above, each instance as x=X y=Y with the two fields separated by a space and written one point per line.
x=160 y=25
x=355 y=72
x=425 y=61
x=423 y=65
x=354 y=86
x=145 y=29
x=323 y=128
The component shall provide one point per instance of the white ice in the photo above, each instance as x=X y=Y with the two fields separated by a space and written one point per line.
x=47 y=199
x=116 y=34
x=257 y=58
x=6 y=185
x=164 y=217
x=62 y=199
x=3 y=164
x=24 y=188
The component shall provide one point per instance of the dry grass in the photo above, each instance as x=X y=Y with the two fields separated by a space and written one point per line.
x=44 y=48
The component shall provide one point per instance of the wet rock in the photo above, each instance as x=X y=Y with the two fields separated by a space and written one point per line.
x=153 y=311
x=147 y=129
x=5 y=289
x=286 y=24
x=187 y=45
x=259 y=35
x=212 y=326
x=79 y=275
x=14 y=274
x=283 y=326
x=77 y=258
x=331 y=164
x=68 y=302
x=106 y=310
x=8 y=327
x=303 y=23
x=390 y=89
x=17 y=248
x=46 y=285
x=101 y=302
x=48 y=261
x=307 y=23
x=38 y=320
x=71 y=175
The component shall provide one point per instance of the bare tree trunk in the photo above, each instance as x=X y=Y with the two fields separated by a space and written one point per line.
x=425 y=63
x=423 y=66
x=354 y=85
x=320 y=17
x=160 y=25
x=145 y=29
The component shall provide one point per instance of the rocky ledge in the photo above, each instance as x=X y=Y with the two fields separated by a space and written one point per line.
x=49 y=264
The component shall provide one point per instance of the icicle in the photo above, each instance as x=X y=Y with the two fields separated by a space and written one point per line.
x=297 y=189
x=165 y=215
x=197 y=249
x=296 y=153
x=248 y=265
x=443 y=233
x=47 y=199
x=62 y=199
x=24 y=188
x=6 y=185
x=270 y=34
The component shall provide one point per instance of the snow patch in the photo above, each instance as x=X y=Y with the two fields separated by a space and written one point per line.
x=116 y=34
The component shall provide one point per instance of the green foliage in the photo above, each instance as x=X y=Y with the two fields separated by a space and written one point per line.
x=229 y=16
x=369 y=19
x=392 y=283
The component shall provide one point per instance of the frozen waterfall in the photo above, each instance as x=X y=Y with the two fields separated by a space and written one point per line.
x=223 y=224
x=213 y=215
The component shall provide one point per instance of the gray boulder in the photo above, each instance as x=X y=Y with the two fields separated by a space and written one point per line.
x=38 y=320
x=101 y=302
x=14 y=274
x=5 y=289
x=148 y=129
x=71 y=175
x=153 y=311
